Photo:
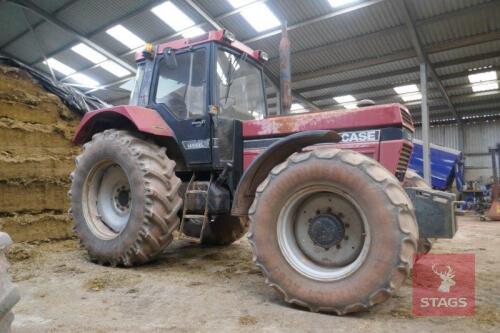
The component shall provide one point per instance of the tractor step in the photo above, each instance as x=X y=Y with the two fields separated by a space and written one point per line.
x=195 y=191
x=194 y=216
x=201 y=187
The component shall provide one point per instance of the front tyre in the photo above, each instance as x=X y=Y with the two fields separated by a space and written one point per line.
x=333 y=231
x=124 y=198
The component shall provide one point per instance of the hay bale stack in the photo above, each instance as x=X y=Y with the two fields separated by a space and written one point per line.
x=36 y=158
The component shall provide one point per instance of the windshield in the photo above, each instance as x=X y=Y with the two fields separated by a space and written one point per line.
x=239 y=87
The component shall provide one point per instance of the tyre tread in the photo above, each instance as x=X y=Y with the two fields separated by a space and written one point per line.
x=399 y=198
x=161 y=206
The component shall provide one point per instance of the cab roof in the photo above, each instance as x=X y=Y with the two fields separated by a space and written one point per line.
x=220 y=36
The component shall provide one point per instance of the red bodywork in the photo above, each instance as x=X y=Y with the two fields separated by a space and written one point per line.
x=144 y=119
x=393 y=154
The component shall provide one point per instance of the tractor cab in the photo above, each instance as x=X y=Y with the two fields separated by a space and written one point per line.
x=203 y=88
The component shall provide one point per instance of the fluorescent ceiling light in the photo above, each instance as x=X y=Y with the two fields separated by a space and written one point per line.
x=88 y=53
x=114 y=68
x=84 y=80
x=411 y=97
x=125 y=36
x=240 y=3
x=59 y=66
x=411 y=88
x=338 y=3
x=192 y=32
x=481 y=77
x=172 y=16
x=350 y=105
x=344 y=99
x=260 y=17
x=484 y=86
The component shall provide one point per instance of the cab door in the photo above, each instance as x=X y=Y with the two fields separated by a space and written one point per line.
x=181 y=97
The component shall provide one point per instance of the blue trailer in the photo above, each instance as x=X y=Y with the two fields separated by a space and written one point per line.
x=446 y=165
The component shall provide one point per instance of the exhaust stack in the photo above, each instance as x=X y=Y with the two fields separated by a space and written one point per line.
x=285 y=71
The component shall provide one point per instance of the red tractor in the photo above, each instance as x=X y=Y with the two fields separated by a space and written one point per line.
x=329 y=222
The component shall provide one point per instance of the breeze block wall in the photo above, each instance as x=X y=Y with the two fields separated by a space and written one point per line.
x=36 y=158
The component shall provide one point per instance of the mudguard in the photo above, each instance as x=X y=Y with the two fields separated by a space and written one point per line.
x=272 y=156
x=123 y=116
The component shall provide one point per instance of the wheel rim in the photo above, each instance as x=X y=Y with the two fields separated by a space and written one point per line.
x=322 y=233
x=107 y=200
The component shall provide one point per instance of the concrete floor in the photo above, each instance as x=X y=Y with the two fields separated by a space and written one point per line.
x=194 y=289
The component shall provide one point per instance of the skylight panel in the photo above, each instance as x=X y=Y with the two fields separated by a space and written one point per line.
x=125 y=36
x=129 y=85
x=344 y=99
x=484 y=86
x=88 y=53
x=411 y=97
x=411 y=88
x=192 y=32
x=259 y=16
x=220 y=73
x=482 y=77
x=339 y=3
x=240 y=3
x=59 y=66
x=114 y=68
x=172 y=16
x=297 y=108
x=84 y=80
x=350 y=105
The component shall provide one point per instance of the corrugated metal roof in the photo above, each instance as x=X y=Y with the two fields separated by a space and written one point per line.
x=97 y=13
x=438 y=22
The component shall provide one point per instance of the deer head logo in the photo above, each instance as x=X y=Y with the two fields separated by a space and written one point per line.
x=446 y=278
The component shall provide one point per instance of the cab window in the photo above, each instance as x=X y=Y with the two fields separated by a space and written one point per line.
x=239 y=87
x=182 y=88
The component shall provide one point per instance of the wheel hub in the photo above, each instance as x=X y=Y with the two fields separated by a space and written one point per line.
x=326 y=230
x=122 y=198
x=322 y=232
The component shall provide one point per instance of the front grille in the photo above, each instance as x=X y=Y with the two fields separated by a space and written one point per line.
x=407 y=118
x=404 y=159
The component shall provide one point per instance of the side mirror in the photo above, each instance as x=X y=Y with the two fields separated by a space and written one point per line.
x=170 y=59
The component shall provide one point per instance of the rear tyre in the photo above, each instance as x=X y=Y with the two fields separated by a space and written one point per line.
x=9 y=295
x=413 y=179
x=124 y=198
x=333 y=231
